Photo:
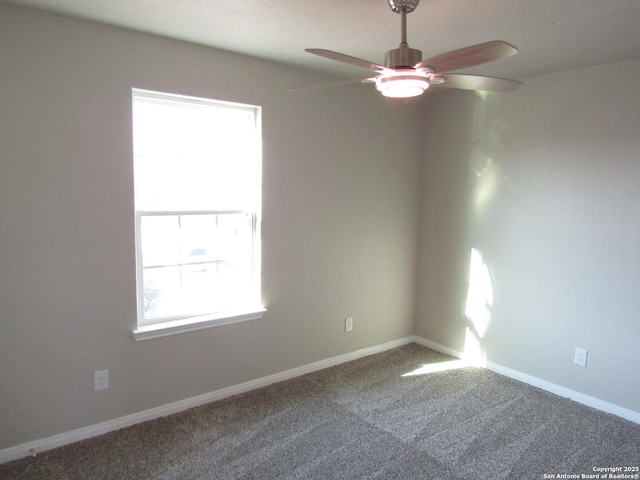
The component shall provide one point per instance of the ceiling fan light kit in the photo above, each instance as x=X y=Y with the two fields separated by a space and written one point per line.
x=402 y=83
x=405 y=75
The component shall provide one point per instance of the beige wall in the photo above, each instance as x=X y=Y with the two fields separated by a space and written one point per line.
x=544 y=183
x=339 y=223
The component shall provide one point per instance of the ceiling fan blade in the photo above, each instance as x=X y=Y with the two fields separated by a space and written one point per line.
x=469 y=56
x=478 y=82
x=330 y=85
x=341 y=57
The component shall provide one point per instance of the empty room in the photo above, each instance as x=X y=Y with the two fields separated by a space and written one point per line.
x=364 y=239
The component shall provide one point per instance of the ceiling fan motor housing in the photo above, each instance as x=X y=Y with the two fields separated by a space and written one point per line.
x=407 y=5
x=402 y=57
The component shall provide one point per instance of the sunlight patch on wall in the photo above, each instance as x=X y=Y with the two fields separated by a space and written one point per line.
x=478 y=308
x=489 y=176
x=474 y=354
x=479 y=303
x=486 y=154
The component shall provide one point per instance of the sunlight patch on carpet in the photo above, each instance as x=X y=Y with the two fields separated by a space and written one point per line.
x=439 y=367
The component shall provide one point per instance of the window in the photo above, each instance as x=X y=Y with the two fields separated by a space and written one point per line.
x=197 y=170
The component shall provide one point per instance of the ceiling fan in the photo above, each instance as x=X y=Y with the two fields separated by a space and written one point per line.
x=405 y=75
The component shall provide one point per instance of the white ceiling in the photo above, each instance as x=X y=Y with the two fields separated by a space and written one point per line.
x=551 y=35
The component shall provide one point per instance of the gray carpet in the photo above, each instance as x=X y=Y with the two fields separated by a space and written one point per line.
x=360 y=420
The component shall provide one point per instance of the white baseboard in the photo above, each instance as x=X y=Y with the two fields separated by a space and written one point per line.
x=55 y=441
x=543 y=384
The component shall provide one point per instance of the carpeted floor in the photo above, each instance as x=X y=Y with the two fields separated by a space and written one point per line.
x=366 y=419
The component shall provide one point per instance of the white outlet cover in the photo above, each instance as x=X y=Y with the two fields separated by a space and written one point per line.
x=348 y=324
x=100 y=380
x=580 y=357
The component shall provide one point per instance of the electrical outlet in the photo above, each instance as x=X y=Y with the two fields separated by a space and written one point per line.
x=100 y=380
x=580 y=357
x=348 y=324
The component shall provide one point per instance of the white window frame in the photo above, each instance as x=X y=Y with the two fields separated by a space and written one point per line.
x=253 y=309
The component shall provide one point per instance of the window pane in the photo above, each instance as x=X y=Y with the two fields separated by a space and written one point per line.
x=193 y=158
x=160 y=288
x=160 y=237
x=234 y=238
x=195 y=264
x=198 y=234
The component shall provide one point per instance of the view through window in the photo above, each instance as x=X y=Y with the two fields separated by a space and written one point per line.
x=197 y=169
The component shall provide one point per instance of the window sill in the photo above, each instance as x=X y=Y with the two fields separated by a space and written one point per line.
x=196 y=323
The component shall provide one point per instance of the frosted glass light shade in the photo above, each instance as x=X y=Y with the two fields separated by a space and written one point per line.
x=402 y=83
